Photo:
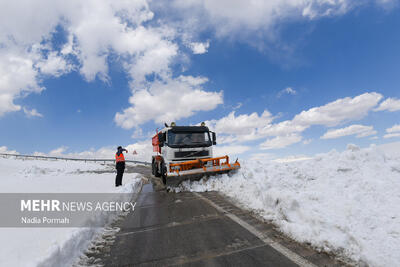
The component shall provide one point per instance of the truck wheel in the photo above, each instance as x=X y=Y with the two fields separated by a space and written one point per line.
x=163 y=173
x=153 y=169
x=156 y=171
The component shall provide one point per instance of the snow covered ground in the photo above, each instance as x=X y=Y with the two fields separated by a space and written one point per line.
x=46 y=246
x=344 y=202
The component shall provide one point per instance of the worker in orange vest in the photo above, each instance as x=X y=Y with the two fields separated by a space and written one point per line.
x=120 y=165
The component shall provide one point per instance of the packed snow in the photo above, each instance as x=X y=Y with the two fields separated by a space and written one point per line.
x=341 y=202
x=50 y=246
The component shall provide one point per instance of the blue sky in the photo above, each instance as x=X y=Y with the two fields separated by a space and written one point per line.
x=76 y=78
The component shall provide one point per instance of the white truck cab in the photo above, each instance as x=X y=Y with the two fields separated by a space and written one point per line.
x=177 y=144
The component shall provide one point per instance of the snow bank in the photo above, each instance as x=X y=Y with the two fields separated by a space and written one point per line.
x=346 y=203
x=54 y=246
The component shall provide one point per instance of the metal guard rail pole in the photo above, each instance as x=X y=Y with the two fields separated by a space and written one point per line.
x=73 y=159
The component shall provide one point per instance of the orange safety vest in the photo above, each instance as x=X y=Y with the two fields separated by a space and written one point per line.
x=120 y=157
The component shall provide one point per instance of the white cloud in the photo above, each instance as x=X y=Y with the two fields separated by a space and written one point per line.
x=342 y=110
x=391 y=135
x=4 y=150
x=288 y=90
x=225 y=139
x=58 y=152
x=390 y=104
x=238 y=105
x=231 y=150
x=393 y=131
x=395 y=128
x=199 y=48
x=356 y=129
x=243 y=126
x=32 y=113
x=239 y=16
x=95 y=30
x=281 y=141
x=54 y=65
x=98 y=29
x=143 y=149
x=168 y=100
x=388 y=4
x=252 y=20
x=257 y=23
x=239 y=128
x=307 y=141
x=331 y=114
x=247 y=127
x=17 y=78
x=282 y=128
x=138 y=133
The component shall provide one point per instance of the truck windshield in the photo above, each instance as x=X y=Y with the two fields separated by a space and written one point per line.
x=187 y=139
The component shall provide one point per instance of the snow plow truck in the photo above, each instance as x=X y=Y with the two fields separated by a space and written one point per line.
x=186 y=153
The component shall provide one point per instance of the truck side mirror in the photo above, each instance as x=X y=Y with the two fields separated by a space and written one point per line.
x=214 y=138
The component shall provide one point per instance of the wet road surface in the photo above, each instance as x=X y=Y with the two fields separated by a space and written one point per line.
x=200 y=229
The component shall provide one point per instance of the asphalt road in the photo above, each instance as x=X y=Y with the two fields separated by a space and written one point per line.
x=206 y=229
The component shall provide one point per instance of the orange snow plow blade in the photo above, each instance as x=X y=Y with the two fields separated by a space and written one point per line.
x=197 y=169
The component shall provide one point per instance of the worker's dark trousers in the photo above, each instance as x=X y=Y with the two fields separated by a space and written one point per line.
x=120 y=166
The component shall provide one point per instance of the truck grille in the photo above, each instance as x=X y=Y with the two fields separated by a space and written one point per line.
x=182 y=154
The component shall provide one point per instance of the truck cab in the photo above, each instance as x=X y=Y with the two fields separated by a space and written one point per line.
x=185 y=153
x=176 y=144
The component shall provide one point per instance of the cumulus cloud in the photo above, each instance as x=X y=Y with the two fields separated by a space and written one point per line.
x=391 y=135
x=94 y=32
x=17 y=78
x=168 y=100
x=257 y=23
x=390 y=104
x=288 y=90
x=32 y=113
x=143 y=150
x=246 y=127
x=331 y=114
x=282 y=128
x=395 y=128
x=339 y=111
x=5 y=150
x=393 y=131
x=143 y=45
x=243 y=127
x=26 y=50
x=356 y=129
x=281 y=141
x=58 y=152
x=228 y=17
x=231 y=150
x=307 y=141
x=199 y=48
x=336 y=112
x=54 y=65
x=240 y=18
